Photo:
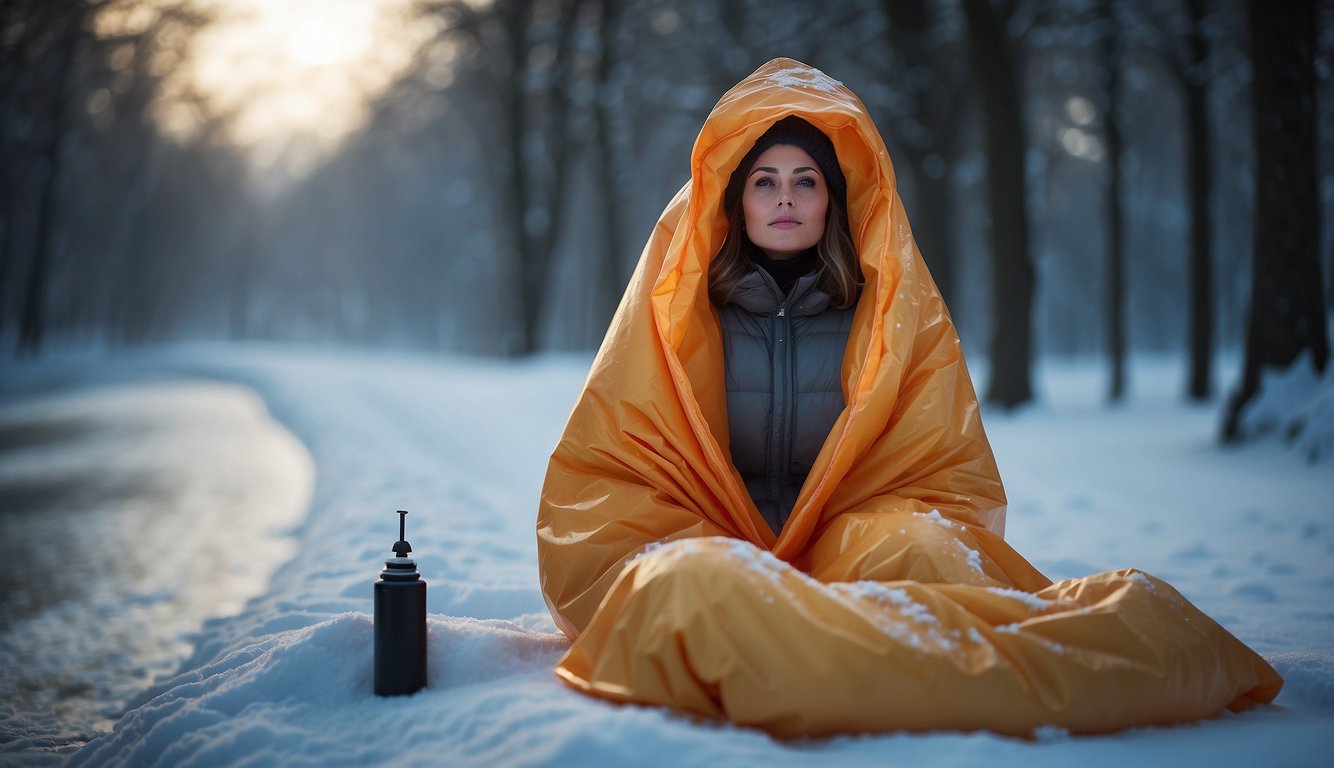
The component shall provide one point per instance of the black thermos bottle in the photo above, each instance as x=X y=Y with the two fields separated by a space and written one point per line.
x=400 y=623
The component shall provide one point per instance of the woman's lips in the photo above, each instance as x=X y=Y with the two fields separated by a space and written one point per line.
x=785 y=222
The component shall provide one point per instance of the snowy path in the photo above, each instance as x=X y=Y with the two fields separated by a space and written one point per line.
x=463 y=446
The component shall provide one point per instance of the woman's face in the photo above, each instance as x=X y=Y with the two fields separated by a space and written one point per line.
x=785 y=201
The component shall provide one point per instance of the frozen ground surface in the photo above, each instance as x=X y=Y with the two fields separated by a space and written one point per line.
x=1247 y=533
x=129 y=515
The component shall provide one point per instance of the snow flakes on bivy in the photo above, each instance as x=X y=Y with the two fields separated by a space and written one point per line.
x=758 y=559
x=934 y=516
x=904 y=619
x=764 y=563
x=973 y=557
x=1017 y=628
x=939 y=519
x=896 y=598
x=1032 y=601
x=800 y=77
x=748 y=556
x=650 y=548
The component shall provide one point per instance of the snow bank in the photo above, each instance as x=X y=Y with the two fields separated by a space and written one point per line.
x=1308 y=681
x=304 y=697
x=1296 y=406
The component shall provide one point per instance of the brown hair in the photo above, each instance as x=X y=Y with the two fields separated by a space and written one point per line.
x=840 y=271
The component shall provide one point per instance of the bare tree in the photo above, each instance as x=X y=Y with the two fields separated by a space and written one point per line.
x=994 y=69
x=25 y=27
x=1179 y=38
x=56 y=74
x=612 y=275
x=80 y=162
x=1194 y=77
x=522 y=54
x=1287 y=314
x=1110 y=33
x=926 y=66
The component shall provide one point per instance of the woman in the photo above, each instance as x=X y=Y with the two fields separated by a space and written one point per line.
x=846 y=573
x=785 y=282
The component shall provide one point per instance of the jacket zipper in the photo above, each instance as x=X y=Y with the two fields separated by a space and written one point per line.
x=780 y=430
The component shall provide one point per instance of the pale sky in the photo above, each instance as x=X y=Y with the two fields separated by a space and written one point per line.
x=295 y=76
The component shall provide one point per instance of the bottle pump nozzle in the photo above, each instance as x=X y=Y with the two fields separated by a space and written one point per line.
x=402 y=547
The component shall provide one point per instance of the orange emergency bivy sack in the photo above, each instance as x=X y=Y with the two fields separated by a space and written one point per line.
x=889 y=600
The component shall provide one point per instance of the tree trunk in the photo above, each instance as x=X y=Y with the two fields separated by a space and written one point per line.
x=931 y=227
x=992 y=64
x=536 y=197
x=8 y=241
x=1201 y=314
x=611 y=277
x=1116 y=258
x=1287 y=314
x=14 y=56
x=929 y=158
x=32 y=323
x=516 y=200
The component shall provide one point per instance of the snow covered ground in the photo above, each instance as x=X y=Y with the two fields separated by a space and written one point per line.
x=1247 y=533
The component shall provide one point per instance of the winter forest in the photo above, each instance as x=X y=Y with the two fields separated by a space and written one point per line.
x=479 y=177
x=271 y=270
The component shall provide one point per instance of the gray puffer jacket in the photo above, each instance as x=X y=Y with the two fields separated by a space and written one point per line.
x=784 y=359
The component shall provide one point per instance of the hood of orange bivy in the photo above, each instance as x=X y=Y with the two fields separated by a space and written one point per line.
x=645 y=454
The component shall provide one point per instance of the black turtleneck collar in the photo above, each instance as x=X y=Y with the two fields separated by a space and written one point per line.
x=786 y=271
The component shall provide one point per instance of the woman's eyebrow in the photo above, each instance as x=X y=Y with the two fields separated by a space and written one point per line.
x=767 y=169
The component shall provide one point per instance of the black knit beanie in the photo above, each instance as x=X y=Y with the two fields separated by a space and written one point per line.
x=792 y=131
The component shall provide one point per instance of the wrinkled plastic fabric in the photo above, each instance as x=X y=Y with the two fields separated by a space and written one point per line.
x=718 y=628
x=889 y=600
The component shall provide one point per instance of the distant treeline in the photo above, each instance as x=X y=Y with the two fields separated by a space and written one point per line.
x=1082 y=177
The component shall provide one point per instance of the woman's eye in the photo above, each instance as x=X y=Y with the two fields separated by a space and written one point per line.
x=806 y=182
x=764 y=182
